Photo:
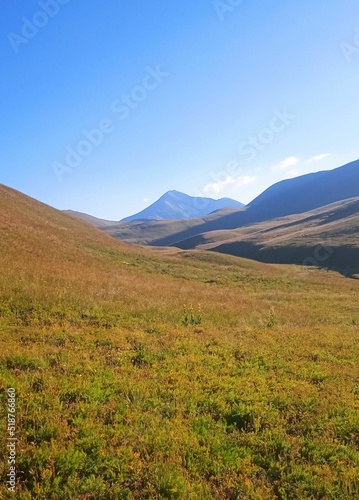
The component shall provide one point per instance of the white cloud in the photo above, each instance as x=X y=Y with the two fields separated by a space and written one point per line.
x=243 y=181
x=234 y=182
x=319 y=157
x=293 y=173
x=286 y=163
x=145 y=200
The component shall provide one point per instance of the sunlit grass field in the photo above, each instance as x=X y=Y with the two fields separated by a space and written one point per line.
x=119 y=396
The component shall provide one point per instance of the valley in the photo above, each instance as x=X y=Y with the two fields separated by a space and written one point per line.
x=164 y=373
x=311 y=219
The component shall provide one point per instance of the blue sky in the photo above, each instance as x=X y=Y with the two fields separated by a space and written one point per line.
x=107 y=105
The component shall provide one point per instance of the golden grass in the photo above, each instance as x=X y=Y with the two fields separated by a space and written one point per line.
x=117 y=398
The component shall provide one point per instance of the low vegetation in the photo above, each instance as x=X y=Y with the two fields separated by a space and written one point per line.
x=120 y=395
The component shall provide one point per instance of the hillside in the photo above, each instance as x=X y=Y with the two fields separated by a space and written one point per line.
x=162 y=373
x=288 y=197
x=330 y=233
x=148 y=232
x=175 y=205
x=95 y=221
x=307 y=192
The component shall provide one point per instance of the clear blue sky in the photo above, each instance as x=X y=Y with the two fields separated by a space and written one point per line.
x=228 y=75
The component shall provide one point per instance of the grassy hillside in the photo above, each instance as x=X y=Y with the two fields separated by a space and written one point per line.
x=94 y=221
x=309 y=191
x=125 y=393
x=292 y=196
x=149 y=232
x=327 y=237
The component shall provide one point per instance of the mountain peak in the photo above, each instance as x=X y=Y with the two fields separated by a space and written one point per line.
x=173 y=192
x=175 y=205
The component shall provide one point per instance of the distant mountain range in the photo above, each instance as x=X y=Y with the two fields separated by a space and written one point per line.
x=172 y=206
x=293 y=196
x=175 y=205
x=299 y=213
x=307 y=192
x=328 y=235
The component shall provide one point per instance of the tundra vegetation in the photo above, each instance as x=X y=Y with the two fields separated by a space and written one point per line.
x=120 y=395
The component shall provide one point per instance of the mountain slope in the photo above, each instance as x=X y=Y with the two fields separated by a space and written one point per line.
x=31 y=228
x=147 y=232
x=174 y=205
x=124 y=392
x=328 y=236
x=94 y=221
x=308 y=192
x=288 y=197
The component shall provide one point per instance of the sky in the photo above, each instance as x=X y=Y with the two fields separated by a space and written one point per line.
x=108 y=105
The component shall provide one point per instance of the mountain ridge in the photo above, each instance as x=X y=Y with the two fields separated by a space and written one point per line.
x=175 y=205
x=324 y=237
x=294 y=198
x=288 y=197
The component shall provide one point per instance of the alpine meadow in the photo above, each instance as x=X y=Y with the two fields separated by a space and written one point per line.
x=179 y=250
x=119 y=397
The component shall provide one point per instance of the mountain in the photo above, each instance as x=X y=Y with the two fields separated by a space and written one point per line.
x=272 y=227
x=175 y=205
x=94 y=221
x=288 y=197
x=307 y=192
x=147 y=232
x=324 y=237
x=130 y=393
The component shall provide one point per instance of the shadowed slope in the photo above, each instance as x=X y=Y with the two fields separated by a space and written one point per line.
x=147 y=232
x=327 y=237
x=292 y=196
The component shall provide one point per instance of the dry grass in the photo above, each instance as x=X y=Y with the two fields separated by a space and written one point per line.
x=118 y=398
